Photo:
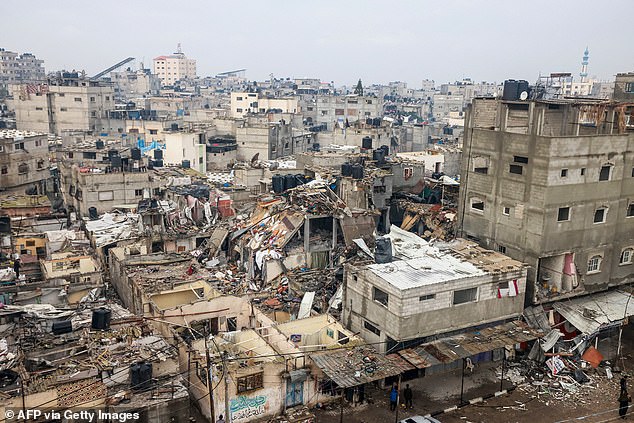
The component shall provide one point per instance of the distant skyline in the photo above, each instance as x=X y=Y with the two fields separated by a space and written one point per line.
x=338 y=41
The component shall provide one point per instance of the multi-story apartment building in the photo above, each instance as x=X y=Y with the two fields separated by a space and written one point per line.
x=129 y=84
x=68 y=103
x=24 y=161
x=551 y=183
x=174 y=67
x=23 y=67
x=329 y=110
x=243 y=103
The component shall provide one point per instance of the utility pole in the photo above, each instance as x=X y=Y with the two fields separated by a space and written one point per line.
x=398 y=398
x=225 y=376
x=209 y=378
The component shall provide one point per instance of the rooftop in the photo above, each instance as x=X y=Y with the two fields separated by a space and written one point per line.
x=18 y=135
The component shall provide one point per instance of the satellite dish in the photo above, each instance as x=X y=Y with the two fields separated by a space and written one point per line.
x=523 y=95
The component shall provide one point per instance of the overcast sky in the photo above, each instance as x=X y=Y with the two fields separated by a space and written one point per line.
x=339 y=40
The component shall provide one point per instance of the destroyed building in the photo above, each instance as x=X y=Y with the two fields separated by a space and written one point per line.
x=408 y=299
x=24 y=162
x=549 y=182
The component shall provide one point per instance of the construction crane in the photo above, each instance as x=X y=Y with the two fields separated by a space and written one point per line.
x=111 y=68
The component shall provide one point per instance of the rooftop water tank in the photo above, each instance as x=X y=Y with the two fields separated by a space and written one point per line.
x=101 y=319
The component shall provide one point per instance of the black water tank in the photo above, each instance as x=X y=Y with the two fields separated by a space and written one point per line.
x=157 y=163
x=158 y=154
x=185 y=164
x=112 y=153
x=115 y=161
x=300 y=179
x=174 y=126
x=346 y=169
x=368 y=121
x=378 y=156
x=101 y=318
x=376 y=122
x=92 y=213
x=386 y=150
x=383 y=250
x=522 y=86
x=65 y=326
x=289 y=182
x=510 y=91
x=140 y=376
x=278 y=183
x=99 y=144
x=135 y=153
x=366 y=143
x=357 y=171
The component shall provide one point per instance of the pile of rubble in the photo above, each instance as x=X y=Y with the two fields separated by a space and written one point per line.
x=439 y=222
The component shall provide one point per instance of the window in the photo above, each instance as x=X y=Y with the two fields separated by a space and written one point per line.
x=107 y=98
x=138 y=192
x=599 y=215
x=502 y=249
x=630 y=210
x=483 y=170
x=563 y=214
x=604 y=174
x=564 y=173
x=92 y=99
x=427 y=297
x=40 y=164
x=465 y=296
x=238 y=110
x=38 y=143
x=61 y=95
x=93 y=114
x=477 y=204
x=30 y=243
x=18 y=146
x=369 y=326
x=626 y=256
x=629 y=87
x=39 y=108
x=520 y=159
x=239 y=98
x=251 y=382
x=78 y=99
x=516 y=169
x=23 y=168
x=408 y=172
x=153 y=131
x=506 y=211
x=380 y=296
x=594 y=264
x=633 y=172
x=4 y=170
x=583 y=171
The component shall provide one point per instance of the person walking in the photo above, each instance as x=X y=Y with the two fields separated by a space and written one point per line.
x=393 y=398
x=408 y=396
x=624 y=403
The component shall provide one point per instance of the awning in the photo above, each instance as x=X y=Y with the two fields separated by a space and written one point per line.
x=357 y=366
x=447 y=350
x=597 y=311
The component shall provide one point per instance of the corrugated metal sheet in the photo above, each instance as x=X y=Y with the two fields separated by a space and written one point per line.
x=469 y=344
x=424 y=270
x=356 y=366
x=593 y=312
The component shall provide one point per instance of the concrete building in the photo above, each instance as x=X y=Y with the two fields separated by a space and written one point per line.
x=427 y=291
x=331 y=110
x=182 y=147
x=444 y=104
x=243 y=103
x=624 y=87
x=16 y=67
x=129 y=84
x=551 y=183
x=174 y=67
x=271 y=140
x=24 y=161
x=69 y=103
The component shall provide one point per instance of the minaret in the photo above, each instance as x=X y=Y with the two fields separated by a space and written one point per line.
x=584 y=65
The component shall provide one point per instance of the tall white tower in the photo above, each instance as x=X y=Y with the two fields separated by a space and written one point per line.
x=584 y=65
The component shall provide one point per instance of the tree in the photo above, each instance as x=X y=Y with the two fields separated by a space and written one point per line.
x=359 y=88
